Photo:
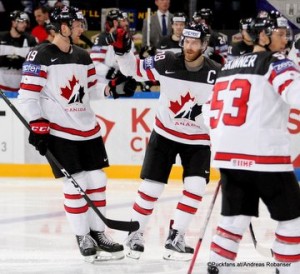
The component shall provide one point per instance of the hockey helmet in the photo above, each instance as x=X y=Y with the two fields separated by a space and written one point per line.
x=179 y=17
x=116 y=14
x=203 y=14
x=268 y=24
x=66 y=15
x=197 y=31
x=19 y=16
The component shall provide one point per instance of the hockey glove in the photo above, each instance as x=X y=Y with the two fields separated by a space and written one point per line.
x=112 y=73
x=120 y=40
x=122 y=86
x=39 y=135
x=146 y=52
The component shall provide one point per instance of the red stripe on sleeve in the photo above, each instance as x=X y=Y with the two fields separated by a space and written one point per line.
x=138 y=71
x=30 y=87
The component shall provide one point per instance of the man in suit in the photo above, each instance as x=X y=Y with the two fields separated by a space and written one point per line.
x=157 y=28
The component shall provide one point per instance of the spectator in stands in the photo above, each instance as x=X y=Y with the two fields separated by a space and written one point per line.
x=41 y=14
x=160 y=24
x=171 y=42
x=14 y=46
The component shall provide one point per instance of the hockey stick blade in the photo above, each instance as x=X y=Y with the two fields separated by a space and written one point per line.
x=264 y=251
x=113 y=224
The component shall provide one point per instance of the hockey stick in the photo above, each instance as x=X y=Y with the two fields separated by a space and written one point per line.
x=114 y=224
x=204 y=229
x=264 y=251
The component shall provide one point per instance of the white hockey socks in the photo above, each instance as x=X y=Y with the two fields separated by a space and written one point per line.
x=96 y=190
x=80 y=216
x=76 y=207
x=286 y=247
x=225 y=242
x=148 y=194
x=194 y=188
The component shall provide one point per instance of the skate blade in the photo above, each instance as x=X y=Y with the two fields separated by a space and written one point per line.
x=109 y=256
x=90 y=259
x=133 y=254
x=172 y=255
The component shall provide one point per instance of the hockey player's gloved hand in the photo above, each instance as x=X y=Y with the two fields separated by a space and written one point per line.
x=112 y=73
x=39 y=135
x=146 y=52
x=120 y=40
x=122 y=86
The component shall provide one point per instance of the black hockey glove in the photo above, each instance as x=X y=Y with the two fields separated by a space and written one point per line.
x=122 y=86
x=120 y=40
x=12 y=61
x=39 y=135
x=146 y=52
x=112 y=73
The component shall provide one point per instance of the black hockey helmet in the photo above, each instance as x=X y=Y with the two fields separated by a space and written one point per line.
x=197 y=31
x=267 y=24
x=203 y=14
x=179 y=17
x=114 y=14
x=19 y=16
x=66 y=15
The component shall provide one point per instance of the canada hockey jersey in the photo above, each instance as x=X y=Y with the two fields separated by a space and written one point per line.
x=249 y=111
x=12 y=55
x=182 y=93
x=103 y=56
x=237 y=49
x=58 y=86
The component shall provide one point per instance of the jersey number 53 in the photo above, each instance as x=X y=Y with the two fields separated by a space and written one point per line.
x=237 y=93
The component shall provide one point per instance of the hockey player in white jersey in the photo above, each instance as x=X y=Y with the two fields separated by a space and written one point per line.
x=57 y=85
x=294 y=53
x=186 y=81
x=102 y=54
x=248 y=116
x=218 y=43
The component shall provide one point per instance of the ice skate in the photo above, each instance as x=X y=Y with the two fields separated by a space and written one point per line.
x=87 y=247
x=106 y=248
x=175 y=247
x=135 y=244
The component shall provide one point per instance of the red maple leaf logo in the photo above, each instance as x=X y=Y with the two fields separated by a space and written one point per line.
x=177 y=105
x=67 y=91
